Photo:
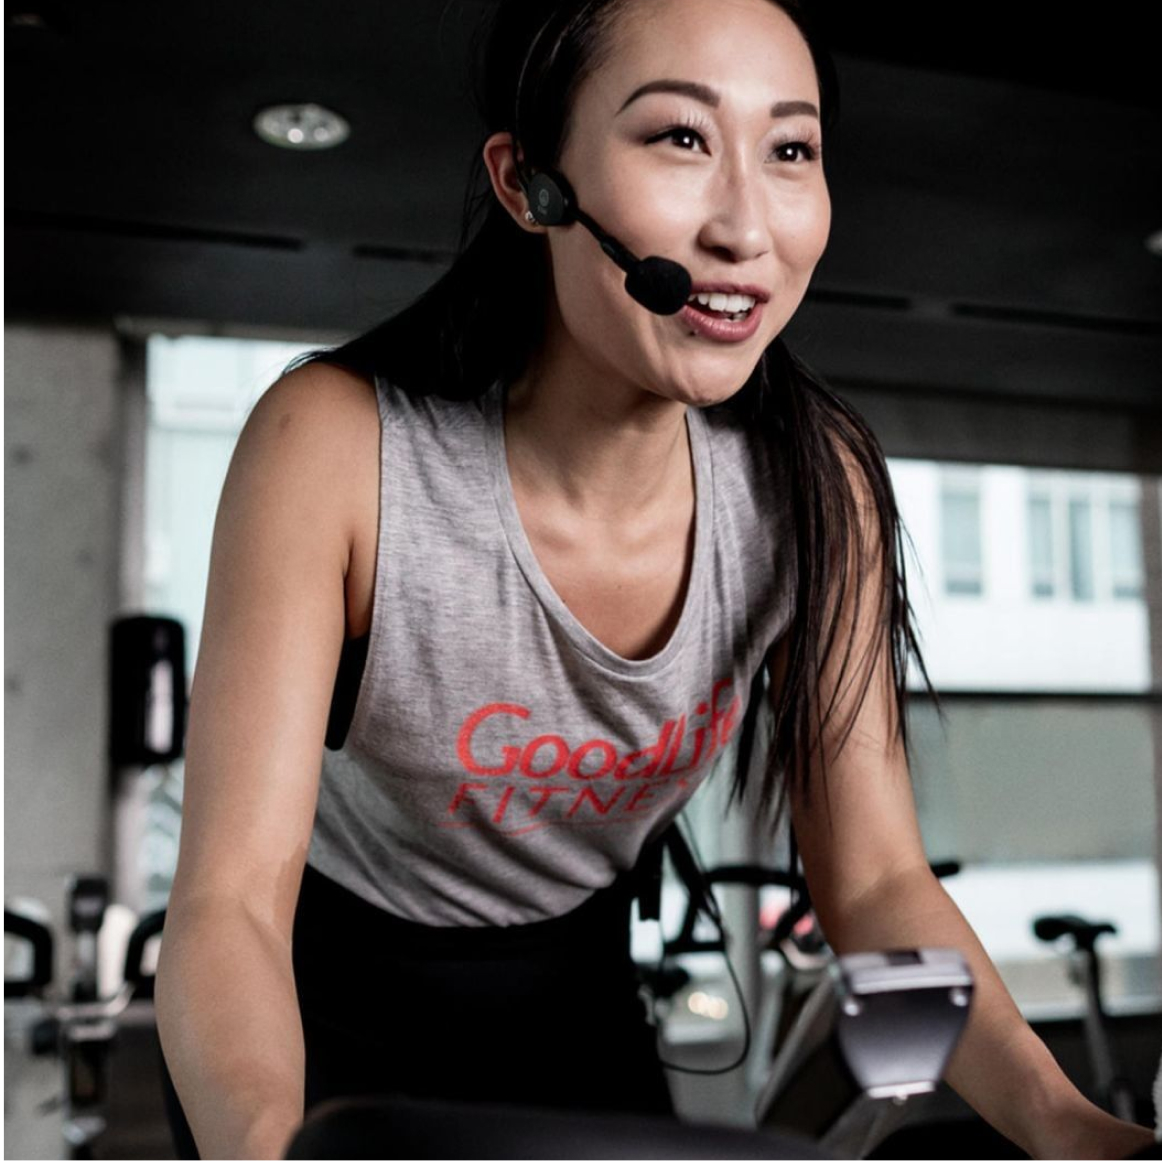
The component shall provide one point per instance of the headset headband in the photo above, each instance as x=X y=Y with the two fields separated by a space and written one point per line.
x=518 y=137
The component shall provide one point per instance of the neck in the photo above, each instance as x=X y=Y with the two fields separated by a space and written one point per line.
x=602 y=452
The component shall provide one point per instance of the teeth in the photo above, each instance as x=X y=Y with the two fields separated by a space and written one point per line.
x=733 y=303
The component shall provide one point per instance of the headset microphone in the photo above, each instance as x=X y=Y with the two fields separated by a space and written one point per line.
x=659 y=284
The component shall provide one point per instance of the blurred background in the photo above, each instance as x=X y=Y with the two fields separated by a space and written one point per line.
x=990 y=301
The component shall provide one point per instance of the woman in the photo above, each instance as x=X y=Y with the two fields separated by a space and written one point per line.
x=565 y=527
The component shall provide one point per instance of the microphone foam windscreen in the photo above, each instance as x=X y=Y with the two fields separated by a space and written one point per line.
x=659 y=285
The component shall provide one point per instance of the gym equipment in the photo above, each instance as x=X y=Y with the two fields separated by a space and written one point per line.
x=147 y=690
x=810 y=1070
x=877 y=1031
x=147 y=721
x=403 y=1127
x=39 y=939
x=1113 y=1090
x=81 y=1029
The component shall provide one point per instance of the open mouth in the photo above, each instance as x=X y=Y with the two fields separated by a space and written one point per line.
x=733 y=307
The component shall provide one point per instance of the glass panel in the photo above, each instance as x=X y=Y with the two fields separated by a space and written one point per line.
x=1048 y=802
x=960 y=511
x=1050 y=806
x=1012 y=636
x=1080 y=549
x=1125 y=548
x=1041 y=546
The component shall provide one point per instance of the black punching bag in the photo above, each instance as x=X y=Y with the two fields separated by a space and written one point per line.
x=147 y=683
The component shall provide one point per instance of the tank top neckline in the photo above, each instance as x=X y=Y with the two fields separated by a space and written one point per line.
x=521 y=548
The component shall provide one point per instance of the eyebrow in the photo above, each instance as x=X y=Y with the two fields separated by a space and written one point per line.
x=709 y=96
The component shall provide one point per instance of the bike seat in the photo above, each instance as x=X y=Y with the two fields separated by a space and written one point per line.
x=1050 y=928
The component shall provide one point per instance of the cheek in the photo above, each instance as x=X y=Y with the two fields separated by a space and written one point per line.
x=804 y=230
x=824 y=221
x=647 y=207
x=588 y=286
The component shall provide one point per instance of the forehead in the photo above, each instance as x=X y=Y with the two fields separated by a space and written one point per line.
x=750 y=50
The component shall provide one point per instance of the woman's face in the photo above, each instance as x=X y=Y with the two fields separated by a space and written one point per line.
x=713 y=181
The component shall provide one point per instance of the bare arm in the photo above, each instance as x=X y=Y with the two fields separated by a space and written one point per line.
x=1000 y=1067
x=228 y=1017
x=868 y=873
x=275 y=622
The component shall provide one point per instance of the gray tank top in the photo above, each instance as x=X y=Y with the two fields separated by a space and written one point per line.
x=501 y=763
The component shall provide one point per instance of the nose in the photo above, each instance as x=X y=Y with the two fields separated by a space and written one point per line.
x=737 y=224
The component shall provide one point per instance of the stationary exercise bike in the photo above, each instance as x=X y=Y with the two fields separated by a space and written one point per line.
x=78 y=1025
x=839 y=1045
x=1112 y=1090
x=884 y=1025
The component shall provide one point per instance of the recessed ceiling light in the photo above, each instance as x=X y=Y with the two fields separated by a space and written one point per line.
x=1154 y=243
x=301 y=126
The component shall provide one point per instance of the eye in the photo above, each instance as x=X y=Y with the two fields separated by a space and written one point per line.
x=807 y=149
x=675 y=132
x=793 y=152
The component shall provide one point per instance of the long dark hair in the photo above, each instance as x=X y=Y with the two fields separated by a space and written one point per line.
x=457 y=338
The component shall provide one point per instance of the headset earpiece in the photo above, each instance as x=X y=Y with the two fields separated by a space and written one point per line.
x=551 y=198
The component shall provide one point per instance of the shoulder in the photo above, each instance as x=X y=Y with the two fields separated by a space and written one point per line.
x=324 y=416
x=332 y=396
x=316 y=429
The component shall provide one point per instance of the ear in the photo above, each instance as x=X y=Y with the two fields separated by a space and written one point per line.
x=498 y=157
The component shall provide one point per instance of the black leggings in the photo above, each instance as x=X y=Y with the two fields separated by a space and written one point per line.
x=543 y=1013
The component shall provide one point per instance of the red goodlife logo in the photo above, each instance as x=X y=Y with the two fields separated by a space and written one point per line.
x=513 y=782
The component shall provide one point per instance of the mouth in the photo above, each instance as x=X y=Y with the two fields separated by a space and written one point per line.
x=734 y=307
x=724 y=325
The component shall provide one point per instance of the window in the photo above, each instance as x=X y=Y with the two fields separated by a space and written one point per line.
x=1125 y=548
x=1080 y=549
x=1084 y=537
x=960 y=537
x=1041 y=556
x=1042 y=784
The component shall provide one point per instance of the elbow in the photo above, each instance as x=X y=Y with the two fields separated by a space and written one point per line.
x=879 y=914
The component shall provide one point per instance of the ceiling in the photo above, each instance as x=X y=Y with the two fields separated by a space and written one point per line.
x=993 y=183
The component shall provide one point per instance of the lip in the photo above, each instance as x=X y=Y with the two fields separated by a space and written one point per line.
x=756 y=292
x=720 y=329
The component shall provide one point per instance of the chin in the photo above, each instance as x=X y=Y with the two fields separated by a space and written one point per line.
x=707 y=393
x=717 y=386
